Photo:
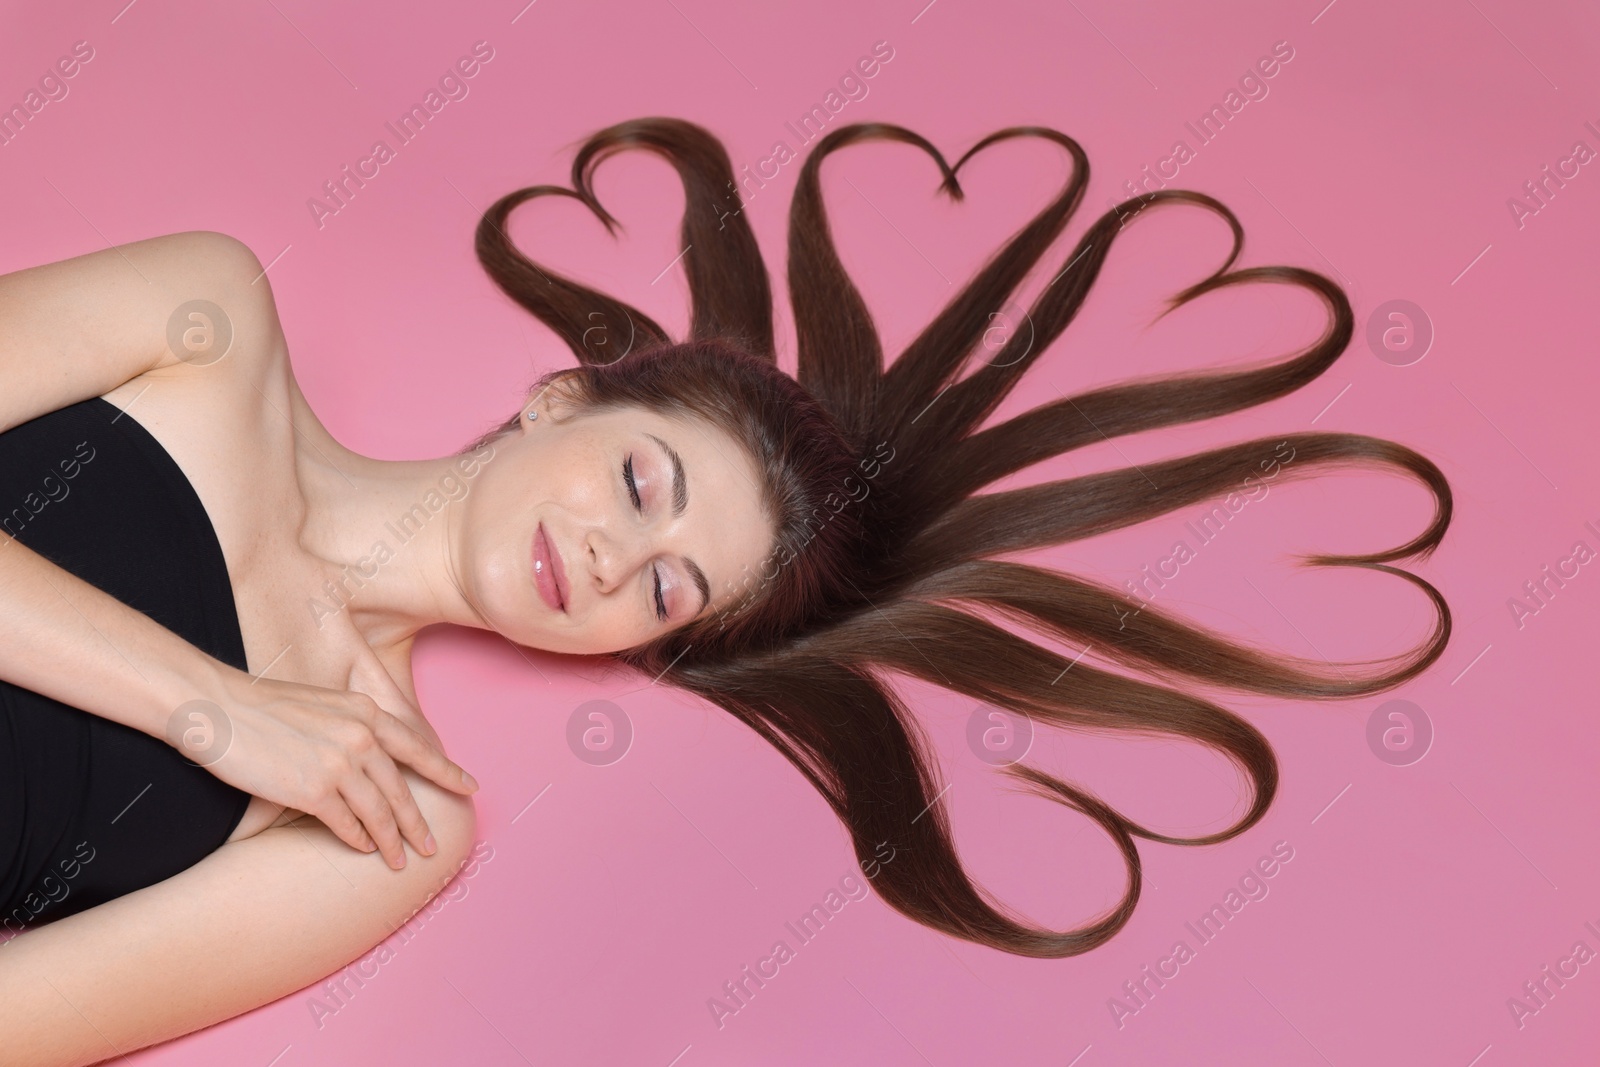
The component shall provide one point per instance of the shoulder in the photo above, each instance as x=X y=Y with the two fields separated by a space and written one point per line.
x=230 y=303
x=224 y=341
x=240 y=317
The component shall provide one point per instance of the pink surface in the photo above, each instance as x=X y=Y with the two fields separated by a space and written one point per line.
x=602 y=919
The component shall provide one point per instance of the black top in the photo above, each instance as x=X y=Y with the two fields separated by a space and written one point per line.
x=91 y=809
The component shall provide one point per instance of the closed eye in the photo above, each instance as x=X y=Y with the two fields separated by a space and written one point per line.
x=638 y=504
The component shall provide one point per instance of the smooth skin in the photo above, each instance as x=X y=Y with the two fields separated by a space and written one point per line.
x=328 y=737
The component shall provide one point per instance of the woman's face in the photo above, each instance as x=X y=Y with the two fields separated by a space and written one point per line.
x=629 y=559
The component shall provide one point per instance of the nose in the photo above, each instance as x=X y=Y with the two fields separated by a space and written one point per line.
x=613 y=557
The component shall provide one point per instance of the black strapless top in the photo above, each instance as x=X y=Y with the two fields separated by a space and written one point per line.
x=91 y=809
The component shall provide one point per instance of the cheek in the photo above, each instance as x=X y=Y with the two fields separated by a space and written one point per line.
x=611 y=628
x=580 y=481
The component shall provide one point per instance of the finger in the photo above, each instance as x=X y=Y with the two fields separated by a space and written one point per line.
x=337 y=816
x=373 y=811
x=387 y=777
x=408 y=746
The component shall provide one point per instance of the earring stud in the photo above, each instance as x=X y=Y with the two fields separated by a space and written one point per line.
x=532 y=415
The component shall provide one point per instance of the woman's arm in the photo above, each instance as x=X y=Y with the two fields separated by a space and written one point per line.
x=256 y=920
x=76 y=643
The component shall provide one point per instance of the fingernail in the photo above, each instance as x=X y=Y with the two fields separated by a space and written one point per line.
x=428 y=845
x=472 y=783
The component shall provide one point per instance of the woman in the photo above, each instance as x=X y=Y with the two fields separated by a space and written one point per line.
x=775 y=546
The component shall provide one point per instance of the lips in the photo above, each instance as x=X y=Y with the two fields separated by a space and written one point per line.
x=548 y=575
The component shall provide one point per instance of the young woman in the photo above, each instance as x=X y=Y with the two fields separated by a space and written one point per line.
x=775 y=545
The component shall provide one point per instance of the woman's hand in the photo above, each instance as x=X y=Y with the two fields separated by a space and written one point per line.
x=327 y=752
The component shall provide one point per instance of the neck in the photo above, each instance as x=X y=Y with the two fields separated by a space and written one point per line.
x=381 y=533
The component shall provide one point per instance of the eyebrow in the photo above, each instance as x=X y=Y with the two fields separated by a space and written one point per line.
x=680 y=501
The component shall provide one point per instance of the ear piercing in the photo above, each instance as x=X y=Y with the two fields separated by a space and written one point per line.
x=532 y=415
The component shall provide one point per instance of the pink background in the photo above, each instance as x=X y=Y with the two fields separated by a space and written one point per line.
x=1419 y=898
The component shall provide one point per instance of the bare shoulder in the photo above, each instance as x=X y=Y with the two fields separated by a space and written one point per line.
x=234 y=332
x=83 y=326
x=240 y=284
x=223 y=347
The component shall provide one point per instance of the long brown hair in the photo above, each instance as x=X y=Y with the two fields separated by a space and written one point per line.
x=883 y=581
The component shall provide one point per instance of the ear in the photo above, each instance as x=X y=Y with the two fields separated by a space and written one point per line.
x=555 y=401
